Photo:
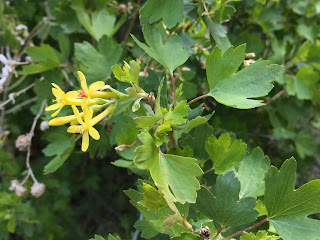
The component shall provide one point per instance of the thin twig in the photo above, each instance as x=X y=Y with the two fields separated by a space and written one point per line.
x=20 y=105
x=205 y=7
x=47 y=9
x=31 y=133
x=72 y=69
x=246 y=229
x=66 y=77
x=279 y=94
x=136 y=234
x=16 y=95
x=33 y=33
x=133 y=20
x=17 y=83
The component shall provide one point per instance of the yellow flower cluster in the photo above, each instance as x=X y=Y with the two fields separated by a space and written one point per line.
x=88 y=96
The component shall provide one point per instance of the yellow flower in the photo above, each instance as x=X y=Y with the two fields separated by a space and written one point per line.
x=86 y=127
x=62 y=99
x=93 y=90
x=64 y=120
x=69 y=98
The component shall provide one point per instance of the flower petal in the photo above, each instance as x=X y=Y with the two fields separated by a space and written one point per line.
x=76 y=112
x=56 y=86
x=85 y=141
x=75 y=129
x=88 y=115
x=53 y=106
x=96 y=86
x=56 y=112
x=94 y=133
x=58 y=93
x=72 y=95
x=83 y=81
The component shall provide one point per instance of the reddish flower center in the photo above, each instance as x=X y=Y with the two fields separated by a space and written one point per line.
x=82 y=93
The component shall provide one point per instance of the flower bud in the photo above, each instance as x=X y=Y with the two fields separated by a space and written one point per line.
x=37 y=189
x=20 y=190
x=23 y=142
x=44 y=125
x=14 y=184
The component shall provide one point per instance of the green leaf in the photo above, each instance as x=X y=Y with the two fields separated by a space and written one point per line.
x=147 y=121
x=235 y=89
x=111 y=237
x=303 y=84
x=224 y=153
x=179 y=113
x=308 y=32
x=46 y=57
x=61 y=147
x=216 y=30
x=225 y=207
x=174 y=175
x=97 y=237
x=196 y=139
x=65 y=47
x=145 y=227
x=96 y=63
x=171 y=11
x=99 y=23
x=288 y=209
x=187 y=236
x=261 y=235
x=130 y=72
x=251 y=173
x=171 y=55
x=11 y=226
x=304 y=142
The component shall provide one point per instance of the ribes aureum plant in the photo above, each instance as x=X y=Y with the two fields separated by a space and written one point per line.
x=158 y=107
x=174 y=191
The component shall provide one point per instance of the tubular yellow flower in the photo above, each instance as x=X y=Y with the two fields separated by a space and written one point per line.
x=62 y=99
x=93 y=90
x=64 y=120
x=86 y=127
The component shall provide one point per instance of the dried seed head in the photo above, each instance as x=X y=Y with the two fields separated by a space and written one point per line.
x=44 y=125
x=23 y=142
x=251 y=55
x=37 y=189
x=20 y=190
x=14 y=184
x=205 y=232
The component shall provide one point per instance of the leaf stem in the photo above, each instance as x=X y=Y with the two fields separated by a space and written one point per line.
x=205 y=7
x=171 y=138
x=246 y=229
x=218 y=232
x=209 y=170
x=197 y=98
x=174 y=88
